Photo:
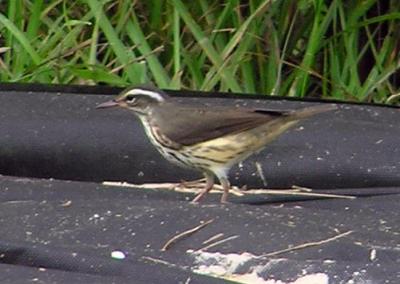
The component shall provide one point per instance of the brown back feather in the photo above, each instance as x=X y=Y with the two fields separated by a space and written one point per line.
x=192 y=125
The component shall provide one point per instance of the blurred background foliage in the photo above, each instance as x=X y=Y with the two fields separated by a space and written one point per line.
x=347 y=50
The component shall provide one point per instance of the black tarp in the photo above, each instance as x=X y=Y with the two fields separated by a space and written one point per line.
x=60 y=224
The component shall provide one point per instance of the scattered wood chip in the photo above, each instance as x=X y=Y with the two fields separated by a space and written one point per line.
x=185 y=234
x=296 y=192
x=218 y=243
x=301 y=188
x=213 y=238
x=306 y=245
x=195 y=186
x=159 y=261
x=261 y=173
x=66 y=203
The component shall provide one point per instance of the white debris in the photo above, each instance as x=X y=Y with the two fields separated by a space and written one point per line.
x=372 y=255
x=226 y=266
x=117 y=254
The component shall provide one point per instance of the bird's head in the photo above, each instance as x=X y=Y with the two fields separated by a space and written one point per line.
x=138 y=99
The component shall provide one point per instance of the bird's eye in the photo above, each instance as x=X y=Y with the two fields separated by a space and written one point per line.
x=130 y=99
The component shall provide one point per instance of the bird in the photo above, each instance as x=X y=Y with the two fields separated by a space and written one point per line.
x=210 y=139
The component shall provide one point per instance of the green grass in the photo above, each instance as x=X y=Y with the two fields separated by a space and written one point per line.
x=347 y=50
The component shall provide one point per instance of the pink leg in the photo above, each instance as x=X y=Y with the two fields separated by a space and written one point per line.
x=206 y=189
x=226 y=186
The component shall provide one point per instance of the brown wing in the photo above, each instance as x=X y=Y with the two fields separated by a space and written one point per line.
x=192 y=125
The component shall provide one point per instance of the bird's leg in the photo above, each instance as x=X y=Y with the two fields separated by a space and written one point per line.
x=226 y=186
x=209 y=185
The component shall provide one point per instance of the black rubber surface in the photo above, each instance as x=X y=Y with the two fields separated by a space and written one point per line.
x=59 y=224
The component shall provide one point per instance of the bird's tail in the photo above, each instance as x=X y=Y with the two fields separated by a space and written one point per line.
x=310 y=111
x=270 y=131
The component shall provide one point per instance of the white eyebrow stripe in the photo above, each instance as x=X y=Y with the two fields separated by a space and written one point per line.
x=138 y=91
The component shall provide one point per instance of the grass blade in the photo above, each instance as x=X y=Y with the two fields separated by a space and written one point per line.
x=135 y=71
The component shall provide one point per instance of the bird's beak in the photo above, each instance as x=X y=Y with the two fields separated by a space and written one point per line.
x=108 y=104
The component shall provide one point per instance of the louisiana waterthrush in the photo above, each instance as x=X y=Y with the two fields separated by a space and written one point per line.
x=209 y=139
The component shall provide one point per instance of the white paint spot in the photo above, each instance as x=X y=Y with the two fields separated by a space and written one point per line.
x=117 y=254
x=372 y=255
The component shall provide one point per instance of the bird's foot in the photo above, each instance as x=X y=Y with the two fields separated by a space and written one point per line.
x=201 y=195
x=224 y=197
